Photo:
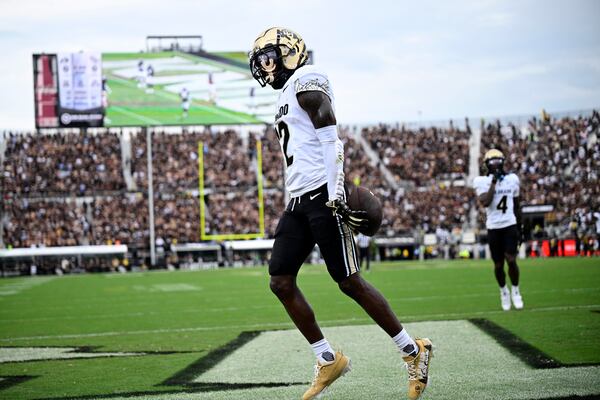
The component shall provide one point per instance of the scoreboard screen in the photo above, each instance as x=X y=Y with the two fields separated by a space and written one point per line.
x=68 y=90
x=178 y=86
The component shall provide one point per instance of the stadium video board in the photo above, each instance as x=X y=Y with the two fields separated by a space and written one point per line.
x=68 y=90
x=155 y=88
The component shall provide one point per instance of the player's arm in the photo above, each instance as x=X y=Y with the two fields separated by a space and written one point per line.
x=318 y=106
x=320 y=111
x=487 y=197
x=517 y=210
x=518 y=213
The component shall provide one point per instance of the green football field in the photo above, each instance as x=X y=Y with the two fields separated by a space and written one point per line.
x=221 y=334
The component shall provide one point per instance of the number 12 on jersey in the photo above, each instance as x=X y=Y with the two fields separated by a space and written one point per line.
x=283 y=131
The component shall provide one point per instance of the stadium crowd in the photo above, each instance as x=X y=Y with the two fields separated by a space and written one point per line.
x=31 y=223
x=61 y=163
x=175 y=160
x=423 y=155
x=69 y=188
x=426 y=209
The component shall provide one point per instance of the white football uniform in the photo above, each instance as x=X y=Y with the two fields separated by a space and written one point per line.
x=500 y=213
x=305 y=166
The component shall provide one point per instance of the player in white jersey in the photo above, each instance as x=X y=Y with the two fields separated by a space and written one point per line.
x=499 y=193
x=317 y=211
x=184 y=94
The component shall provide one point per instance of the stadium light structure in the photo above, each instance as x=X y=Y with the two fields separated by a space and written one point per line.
x=185 y=43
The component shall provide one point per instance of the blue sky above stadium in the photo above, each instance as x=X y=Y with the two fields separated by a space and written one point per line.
x=387 y=60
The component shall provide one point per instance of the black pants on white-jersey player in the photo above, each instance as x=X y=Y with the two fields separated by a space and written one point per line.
x=306 y=221
x=503 y=241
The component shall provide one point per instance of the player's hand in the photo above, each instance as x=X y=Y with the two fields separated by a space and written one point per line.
x=498 y=176
x=356 y=220
x=520 y=236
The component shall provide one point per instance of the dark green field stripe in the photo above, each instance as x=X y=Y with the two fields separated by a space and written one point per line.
x=8 y=381
x=185 y=377
x=532 y=356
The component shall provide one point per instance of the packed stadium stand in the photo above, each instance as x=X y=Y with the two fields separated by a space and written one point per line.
x=72 y=188
x=421 y=156
x=62 y=163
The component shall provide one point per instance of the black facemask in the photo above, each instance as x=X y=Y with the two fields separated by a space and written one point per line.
x=268 y=61
x=495 y=166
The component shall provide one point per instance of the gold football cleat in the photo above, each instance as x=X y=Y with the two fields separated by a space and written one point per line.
x=418 y=368
x=326 y=374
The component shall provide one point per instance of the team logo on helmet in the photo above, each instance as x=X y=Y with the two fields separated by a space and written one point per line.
x=275 y=55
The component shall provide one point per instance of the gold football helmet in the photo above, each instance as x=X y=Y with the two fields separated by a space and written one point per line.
x=276 y=54
x=494 y=161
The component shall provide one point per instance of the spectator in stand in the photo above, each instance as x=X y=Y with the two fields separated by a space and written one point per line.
x=122 y=219
x=421 y=156
x=33 y=223
x=62 y=163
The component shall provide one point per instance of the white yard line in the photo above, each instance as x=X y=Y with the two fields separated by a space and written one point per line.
x=285 y=324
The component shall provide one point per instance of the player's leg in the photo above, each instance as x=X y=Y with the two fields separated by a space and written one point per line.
x=301 y=313
x=415 y=352
x=513 y=269
x=340 y=254
x=293 y=243
x=511 y=243
x=373 y=302
x=496 y=242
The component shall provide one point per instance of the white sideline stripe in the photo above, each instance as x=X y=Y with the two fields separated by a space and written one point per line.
x=284 y=324
x=261 y=307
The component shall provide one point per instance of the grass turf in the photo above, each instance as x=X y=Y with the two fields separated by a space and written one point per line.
x=196 y=312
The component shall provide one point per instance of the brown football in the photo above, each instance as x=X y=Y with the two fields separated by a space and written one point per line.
x=362 y=199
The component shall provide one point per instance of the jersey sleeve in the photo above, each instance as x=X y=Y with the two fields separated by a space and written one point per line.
x=313 y=81
x=480 y=186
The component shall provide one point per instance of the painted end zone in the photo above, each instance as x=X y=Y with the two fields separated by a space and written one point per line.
x=468 y=363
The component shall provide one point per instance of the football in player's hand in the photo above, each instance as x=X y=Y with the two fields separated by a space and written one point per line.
x=362 y=199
